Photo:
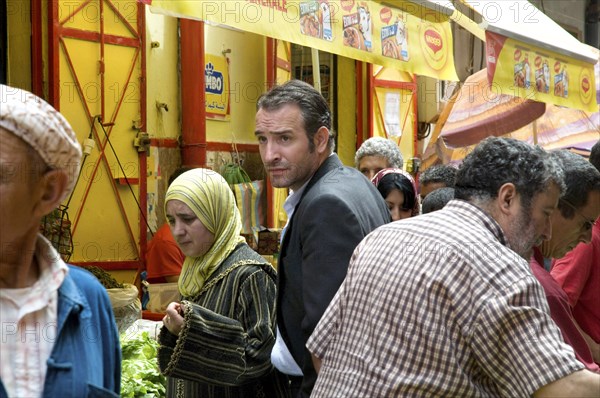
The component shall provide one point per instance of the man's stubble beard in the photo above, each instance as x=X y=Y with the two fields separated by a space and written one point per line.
x=522 y=238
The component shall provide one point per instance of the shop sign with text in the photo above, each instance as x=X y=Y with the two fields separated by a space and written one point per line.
x=538 y=74
x=216 y=86
x=400 y=34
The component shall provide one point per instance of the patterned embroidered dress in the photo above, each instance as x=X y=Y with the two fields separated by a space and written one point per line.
x=225 y=346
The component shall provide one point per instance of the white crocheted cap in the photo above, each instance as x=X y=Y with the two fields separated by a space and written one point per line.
x=42 y=127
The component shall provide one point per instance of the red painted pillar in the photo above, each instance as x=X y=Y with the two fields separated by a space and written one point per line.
x=360 y=134
x=193 y=147
x=370 y=95
x=271 y=81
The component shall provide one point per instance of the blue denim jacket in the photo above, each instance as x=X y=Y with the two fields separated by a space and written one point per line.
x=86 y=357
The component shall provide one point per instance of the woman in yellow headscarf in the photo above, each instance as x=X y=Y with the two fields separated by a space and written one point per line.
x=217 y=342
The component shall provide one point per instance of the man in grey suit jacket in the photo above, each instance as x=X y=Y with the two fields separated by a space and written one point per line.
x=330 y=210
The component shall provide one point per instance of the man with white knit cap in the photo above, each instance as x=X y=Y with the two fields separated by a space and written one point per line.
x=59 y=337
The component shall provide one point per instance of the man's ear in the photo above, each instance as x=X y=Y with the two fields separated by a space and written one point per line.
x=507 y=198
x=321 y=139
x=51 y=187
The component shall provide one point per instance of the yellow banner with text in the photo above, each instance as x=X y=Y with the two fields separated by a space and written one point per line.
x=527 y=71
x=405 y=36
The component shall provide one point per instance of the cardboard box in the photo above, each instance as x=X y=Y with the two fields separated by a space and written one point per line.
x=268 y=241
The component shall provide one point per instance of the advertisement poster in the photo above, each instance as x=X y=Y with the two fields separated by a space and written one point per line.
x=396 y=34
x=394 y=38
x=216 y=81
x=315 y=19
x=357 y=25
x=539 y=74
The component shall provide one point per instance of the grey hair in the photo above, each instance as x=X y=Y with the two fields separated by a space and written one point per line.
x=497 y=161
x=378 y=146
x=439 y=173
x=581 y=178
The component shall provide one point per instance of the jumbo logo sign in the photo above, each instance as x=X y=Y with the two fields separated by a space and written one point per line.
x=214 y=80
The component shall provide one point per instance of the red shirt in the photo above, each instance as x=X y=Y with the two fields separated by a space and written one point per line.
x=579 y=275
x=163 y=258
x=560 y=311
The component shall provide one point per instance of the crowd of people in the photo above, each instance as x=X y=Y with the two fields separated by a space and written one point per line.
x=472 y=281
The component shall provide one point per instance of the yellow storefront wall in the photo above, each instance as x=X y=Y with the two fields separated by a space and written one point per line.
x=346 y=110
x=19 y=37
x=162 y=88
x=247 y=64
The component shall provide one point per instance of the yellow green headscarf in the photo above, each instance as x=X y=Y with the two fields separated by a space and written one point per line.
x=208 y=195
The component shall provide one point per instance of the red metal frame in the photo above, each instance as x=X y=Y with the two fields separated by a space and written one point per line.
x=410 y=86
x=164 y=142
x=102 y=140
x=193 y=148
x=99 y=37
x=124 y=21
x=272 y=62
x=143 y=165
x=75 y=11
x=56 y=34
x=405 y=116
x=360 y=131
x=416 y=122
x=394 y=84
x=37 y=64
x=227 y=147
x=103 y=66
x=109 y=265
x=53 y=80
x=371 y=92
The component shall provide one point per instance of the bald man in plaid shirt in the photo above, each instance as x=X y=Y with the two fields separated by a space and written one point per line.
x=445 y=304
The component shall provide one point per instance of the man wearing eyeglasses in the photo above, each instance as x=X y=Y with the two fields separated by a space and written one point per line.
x=572 y=223
x=578 y=273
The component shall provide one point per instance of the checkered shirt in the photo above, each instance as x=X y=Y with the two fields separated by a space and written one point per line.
x=438 y=305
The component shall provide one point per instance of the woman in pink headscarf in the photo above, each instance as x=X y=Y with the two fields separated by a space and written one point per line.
x=399 y=190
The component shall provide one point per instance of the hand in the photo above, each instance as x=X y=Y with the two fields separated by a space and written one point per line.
x=174 y=319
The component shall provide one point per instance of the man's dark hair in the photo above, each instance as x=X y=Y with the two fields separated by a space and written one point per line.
x=397 y=181
x=313 y=106
x=497 y=161
x=437 y=199
x=439 y=173
x=581 y=178
x=595 y=155
x=178 y=171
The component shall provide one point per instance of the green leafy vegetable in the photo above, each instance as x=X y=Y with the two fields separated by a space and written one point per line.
x=140 y=376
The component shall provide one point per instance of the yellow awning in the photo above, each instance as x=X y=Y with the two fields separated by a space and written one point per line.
x=401 y=34
x=530 y=56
